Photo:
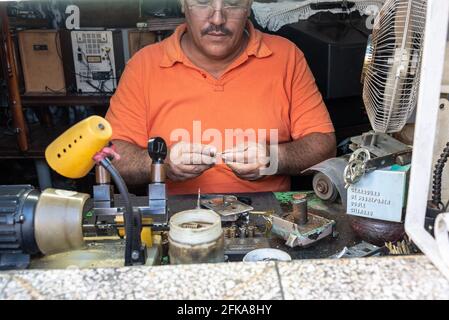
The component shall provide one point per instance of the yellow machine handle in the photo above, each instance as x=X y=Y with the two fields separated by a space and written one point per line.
x=71 y=154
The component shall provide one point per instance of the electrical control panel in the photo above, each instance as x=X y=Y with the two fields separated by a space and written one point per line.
x=98 y=60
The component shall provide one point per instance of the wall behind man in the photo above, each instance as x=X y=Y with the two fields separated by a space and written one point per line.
x=95 y=13
x=106 y=13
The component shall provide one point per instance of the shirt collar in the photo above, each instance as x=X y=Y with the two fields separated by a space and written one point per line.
x=173 y=52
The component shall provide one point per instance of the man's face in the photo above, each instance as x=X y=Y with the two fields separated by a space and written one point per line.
x=216 y=26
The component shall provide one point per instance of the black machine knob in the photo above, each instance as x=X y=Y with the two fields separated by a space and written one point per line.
x=157 y=150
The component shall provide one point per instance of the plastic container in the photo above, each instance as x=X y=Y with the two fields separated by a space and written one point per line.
x=266 y=254
x=196 y=236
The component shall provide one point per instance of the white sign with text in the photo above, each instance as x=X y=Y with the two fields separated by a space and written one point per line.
x=379 y=195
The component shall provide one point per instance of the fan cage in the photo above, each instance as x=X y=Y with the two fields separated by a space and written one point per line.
x=393 y=64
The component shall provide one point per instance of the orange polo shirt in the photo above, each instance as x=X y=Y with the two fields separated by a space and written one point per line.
x=269 y=86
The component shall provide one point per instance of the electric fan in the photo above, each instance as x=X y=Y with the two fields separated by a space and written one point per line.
x=390 y=85
x=390 y=78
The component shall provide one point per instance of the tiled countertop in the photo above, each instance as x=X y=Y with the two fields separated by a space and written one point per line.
x=370 y=278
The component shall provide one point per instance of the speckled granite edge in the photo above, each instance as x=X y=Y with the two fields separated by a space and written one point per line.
x=371 y=278
x=206 y=281
x=412 y=277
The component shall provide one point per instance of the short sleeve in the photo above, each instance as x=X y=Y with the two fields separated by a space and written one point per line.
x=127 y=112
x=308 y=113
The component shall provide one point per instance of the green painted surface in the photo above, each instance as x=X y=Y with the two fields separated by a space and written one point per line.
x=397 y=167
x=313 y=201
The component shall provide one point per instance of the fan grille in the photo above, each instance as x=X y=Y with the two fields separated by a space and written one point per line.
x=393 y=63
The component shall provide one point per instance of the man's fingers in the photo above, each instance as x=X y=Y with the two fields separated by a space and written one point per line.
x=238 y=157
x=193 y=169
x=246 y=156
x=244 y=169
x=184 y=147
x=186 y=172
x=247 y=172
x=206 y=150
x=249 y=156
x=194 y=159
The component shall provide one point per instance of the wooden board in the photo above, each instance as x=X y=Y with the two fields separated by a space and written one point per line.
x=42 y=66
x=138 y=39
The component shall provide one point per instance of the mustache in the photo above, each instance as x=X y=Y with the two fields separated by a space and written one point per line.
x=216 y=29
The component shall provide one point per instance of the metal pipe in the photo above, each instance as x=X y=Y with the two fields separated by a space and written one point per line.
x=299 y=212
x=15 y=101
x=102 y=176
x=157 y=173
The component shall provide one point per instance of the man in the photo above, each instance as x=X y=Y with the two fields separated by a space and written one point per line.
x=219 y=91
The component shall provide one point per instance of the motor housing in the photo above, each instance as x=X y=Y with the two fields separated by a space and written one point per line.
x=17 y=237
x=33 y=223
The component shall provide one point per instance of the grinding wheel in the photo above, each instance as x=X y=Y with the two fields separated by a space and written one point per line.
x=324 y=188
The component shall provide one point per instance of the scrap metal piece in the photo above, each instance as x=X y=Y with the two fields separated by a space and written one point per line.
x=251 y=231
x=198 y=201
x=238 y=246
x=400 y=248
x=299 y=212
x=360 y=250
x=243 y=232
x=378 y=144
x=296 y=235
x=227 y=206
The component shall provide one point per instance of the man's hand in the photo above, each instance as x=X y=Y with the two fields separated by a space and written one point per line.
x=248 y=160
x=187 y=161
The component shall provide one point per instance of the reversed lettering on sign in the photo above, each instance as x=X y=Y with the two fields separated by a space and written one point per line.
x=378 y=195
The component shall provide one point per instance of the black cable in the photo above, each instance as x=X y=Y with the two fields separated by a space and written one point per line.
x=89 y=71
x=132 y=223
x=93 y=86
x=111 y=71
x=437 y=177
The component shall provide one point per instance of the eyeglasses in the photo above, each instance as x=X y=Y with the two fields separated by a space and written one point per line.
x=232 y=9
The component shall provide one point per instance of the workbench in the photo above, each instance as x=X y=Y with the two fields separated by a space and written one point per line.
x=280 y=203
x=109 y=253
x=308 y=276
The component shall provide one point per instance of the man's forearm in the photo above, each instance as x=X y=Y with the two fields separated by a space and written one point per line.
x=134 y=165
x=296 y=156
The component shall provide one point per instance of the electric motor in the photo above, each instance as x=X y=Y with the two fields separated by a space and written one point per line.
x=32 y=222
x=17 y=211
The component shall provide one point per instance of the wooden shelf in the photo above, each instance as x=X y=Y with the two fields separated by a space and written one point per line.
x=64 y=100
x=39 y=138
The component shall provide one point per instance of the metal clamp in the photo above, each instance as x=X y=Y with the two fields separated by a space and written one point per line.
x=356 y=167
